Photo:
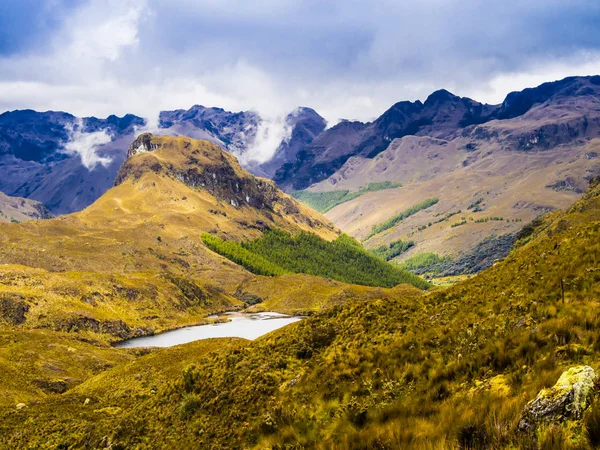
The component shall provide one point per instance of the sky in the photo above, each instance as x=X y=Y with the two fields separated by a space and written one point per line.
x=345 y=58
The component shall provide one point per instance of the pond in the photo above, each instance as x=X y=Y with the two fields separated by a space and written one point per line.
x=240 y=325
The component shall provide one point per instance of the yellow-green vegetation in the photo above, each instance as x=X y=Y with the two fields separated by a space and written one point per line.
x=342 y=259
x=393 y=221
x=452 y=369
x=422 y=261
x=103 y=307
x=324 y=201
x=35 y=364
x=306 y=294
x=393 y=249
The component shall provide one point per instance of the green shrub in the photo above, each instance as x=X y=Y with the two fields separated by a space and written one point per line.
x=324 y=201
x=423 y=261
x=189 y=405
x=393 y=249
x=393 y=221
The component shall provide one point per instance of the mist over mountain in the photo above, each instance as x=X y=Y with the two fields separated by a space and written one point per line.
x=67 y=162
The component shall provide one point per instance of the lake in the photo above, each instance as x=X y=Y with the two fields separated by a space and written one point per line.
x=241 y=325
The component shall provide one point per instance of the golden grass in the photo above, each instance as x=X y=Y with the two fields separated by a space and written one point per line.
x=450 y=369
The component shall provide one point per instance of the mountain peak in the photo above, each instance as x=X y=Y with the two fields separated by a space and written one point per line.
x=207 y=169
x=518 y=103
x=440 y=96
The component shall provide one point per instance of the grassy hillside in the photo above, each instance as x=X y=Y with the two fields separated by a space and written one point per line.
x=394 y=220
x=452 y=369
x=133 y=262
x=307 y=294
x=324 y=201
x=343 y=259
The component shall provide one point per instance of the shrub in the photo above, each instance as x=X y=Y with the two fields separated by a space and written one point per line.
x=393 y=221
x=189 y=405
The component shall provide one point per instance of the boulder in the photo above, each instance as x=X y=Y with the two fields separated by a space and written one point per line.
x=567 y=399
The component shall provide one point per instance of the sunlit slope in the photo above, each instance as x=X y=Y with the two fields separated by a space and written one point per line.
x=133 y=262
x=452 y=369
x=306 y=294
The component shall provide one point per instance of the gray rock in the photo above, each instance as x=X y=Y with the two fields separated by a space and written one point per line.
x=567 y=399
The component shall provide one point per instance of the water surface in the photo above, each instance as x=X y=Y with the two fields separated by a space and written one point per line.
x=241 y=325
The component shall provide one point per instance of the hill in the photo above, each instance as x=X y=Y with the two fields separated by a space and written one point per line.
x=67 y=162
x=16 y=209
x=154 y=272
x=490 y=178
x=134 y=263
x=453 y=369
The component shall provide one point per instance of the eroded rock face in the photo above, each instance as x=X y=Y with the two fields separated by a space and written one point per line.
x=567 y=399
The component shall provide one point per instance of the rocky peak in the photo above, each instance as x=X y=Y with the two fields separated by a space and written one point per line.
x=199 y=165
x=142 y=144
x=440 y=96
x=518 y=103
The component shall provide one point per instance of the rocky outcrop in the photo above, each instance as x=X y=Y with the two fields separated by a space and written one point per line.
x=206 y=168
x=18 y=209
x=567 y=399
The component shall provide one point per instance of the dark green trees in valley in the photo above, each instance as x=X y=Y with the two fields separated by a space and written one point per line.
x=343 y=259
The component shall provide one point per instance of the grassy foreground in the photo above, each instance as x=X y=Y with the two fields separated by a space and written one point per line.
x=452 y=369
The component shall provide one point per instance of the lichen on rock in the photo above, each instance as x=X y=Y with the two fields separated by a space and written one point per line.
x=567 y=399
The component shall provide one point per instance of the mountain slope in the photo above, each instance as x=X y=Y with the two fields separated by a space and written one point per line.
x=441 y=116
x=15 y=209
x=62 y=161
x=445 y=116
x=512 y=169
x=453 y=369
x=154 y=272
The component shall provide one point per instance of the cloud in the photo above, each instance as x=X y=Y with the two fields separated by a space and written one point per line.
x=86 y=145
x=344 y=58
x=270 y=133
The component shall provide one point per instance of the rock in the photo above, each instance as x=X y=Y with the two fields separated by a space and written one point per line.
x=567 y=399
x=20 y=406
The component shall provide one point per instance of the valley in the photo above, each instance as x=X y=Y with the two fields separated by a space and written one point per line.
x=452 y=368
x=299 y=225
x=418 y=296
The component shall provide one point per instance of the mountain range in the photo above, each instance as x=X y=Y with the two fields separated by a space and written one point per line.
x=382 y=359
x=491 y=168
x=503 y=360
x=66 y=162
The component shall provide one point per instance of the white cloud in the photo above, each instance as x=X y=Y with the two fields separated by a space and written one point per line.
x=86 y=145
x=269 y=135
x=583 y=63
x=344 y=59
